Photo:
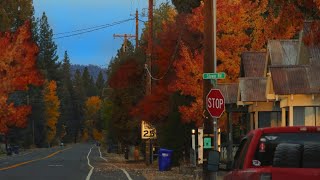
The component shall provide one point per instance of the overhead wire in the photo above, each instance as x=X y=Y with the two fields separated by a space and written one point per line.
x=83 y=31
x=172 y=59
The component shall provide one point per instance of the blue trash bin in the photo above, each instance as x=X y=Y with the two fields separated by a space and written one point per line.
x=164 y=159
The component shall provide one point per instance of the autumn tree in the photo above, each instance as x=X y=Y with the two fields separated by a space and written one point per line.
x=14 y=14
x=92 y=117
x=52 y=107
x=18 y=70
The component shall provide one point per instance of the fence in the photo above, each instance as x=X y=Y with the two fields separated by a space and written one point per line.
x=224 y=151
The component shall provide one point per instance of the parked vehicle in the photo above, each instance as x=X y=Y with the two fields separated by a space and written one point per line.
x=278 y=153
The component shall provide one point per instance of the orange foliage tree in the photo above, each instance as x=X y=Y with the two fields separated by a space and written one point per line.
x=92 y=109
x=241 y=26
x=52 y=113
x=17 y=71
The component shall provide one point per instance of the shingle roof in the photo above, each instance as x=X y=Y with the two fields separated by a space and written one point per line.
x=230 y=92
x=303 y=79
x=283 y=52
x=253 y=64
x=252 y=89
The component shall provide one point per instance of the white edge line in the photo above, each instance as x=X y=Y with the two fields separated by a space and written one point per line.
x=123 y=170
x=91 y=170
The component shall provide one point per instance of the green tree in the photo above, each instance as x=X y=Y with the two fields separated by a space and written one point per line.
x=100 y=83
x=88 y=83
x=14 y=13
x=47 y=58
x=79 y=98
x=184 y=6
x=66 y=125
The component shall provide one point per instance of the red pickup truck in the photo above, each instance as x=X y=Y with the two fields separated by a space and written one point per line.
x=278 y=153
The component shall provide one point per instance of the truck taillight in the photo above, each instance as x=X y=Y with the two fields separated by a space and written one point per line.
x=265 y=176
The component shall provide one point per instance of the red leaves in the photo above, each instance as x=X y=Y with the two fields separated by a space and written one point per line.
x=17 y=71
x=154 y=107
x=126 y=75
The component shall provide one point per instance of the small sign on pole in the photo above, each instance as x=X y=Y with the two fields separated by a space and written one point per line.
x=219 y=75
x=148 y=131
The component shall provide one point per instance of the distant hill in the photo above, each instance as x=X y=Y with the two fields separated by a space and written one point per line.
x=93 y=70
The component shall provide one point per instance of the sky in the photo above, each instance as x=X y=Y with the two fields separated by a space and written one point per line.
x=96 y=47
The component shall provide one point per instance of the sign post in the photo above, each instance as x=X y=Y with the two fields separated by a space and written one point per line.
x=216 y=106
x=215 y=103
x=148 y=132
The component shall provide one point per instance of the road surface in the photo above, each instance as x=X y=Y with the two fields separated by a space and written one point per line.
x=73 y=162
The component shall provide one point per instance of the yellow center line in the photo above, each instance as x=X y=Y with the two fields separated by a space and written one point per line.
x=27 y=162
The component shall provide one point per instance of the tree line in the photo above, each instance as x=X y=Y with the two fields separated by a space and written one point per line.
x=45 y=103
x=78 y=108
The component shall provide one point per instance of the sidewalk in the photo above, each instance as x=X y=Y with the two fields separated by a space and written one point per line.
x=152 y=172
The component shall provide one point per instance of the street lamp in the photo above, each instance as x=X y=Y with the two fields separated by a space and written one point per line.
x=193 y=137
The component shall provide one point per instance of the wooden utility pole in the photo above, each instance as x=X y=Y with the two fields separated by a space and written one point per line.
x=126 y=37
x=137 y=29
x=149 y=50
x=149 y=149
x=209 y=66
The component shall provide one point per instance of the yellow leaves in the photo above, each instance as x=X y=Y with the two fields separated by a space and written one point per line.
x=85 y=135
x=93 y=105
x=92 y=109
x=52 y=105
x=97 y=135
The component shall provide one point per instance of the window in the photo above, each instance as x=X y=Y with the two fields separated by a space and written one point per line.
x=241 y=153
x=265 y=155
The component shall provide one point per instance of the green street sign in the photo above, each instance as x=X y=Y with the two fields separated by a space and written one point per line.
x=220 y=75
x=207 y=143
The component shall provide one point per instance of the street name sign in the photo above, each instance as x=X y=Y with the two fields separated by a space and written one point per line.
x=219 y=75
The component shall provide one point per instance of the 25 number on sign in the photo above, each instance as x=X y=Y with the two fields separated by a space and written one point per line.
x=149 y=133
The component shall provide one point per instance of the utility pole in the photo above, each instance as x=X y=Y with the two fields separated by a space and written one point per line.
x=149 y=149
x=209 y=66
x=137 y=29
x=126 y=37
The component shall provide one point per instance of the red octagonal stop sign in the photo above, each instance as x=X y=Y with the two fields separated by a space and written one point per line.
x=215 y=103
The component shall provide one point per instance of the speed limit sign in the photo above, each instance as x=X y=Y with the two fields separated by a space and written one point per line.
x=148 y=131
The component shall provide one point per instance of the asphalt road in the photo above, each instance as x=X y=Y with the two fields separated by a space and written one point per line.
x=74 y=162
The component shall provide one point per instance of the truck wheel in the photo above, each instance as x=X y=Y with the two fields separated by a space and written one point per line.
x=287 y=155
x=311 y=156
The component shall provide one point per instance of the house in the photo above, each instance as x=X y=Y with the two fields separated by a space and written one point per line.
x=281 y=87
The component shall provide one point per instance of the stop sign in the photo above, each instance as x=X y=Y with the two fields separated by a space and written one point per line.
x=215 y=103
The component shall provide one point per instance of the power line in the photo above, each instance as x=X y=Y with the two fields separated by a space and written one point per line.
x=173 y=57
x=88 y=30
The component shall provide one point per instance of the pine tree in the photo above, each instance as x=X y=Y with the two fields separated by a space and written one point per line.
x=47 y=58
x=66 y=126
x=88 y=83
x=185 y=6
x=78 y=104
x=100 y=83
x=13 y=14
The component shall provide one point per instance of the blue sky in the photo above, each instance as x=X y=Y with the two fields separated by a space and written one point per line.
x=99 y=46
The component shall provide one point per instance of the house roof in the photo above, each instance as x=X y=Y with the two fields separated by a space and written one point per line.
x=229 y=91
x=298 y=79
x=253 y=64
x=313 y=50
x=283 y=52
x=252 y=89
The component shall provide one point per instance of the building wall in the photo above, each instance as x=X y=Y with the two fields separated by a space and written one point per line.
x=306 y=116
